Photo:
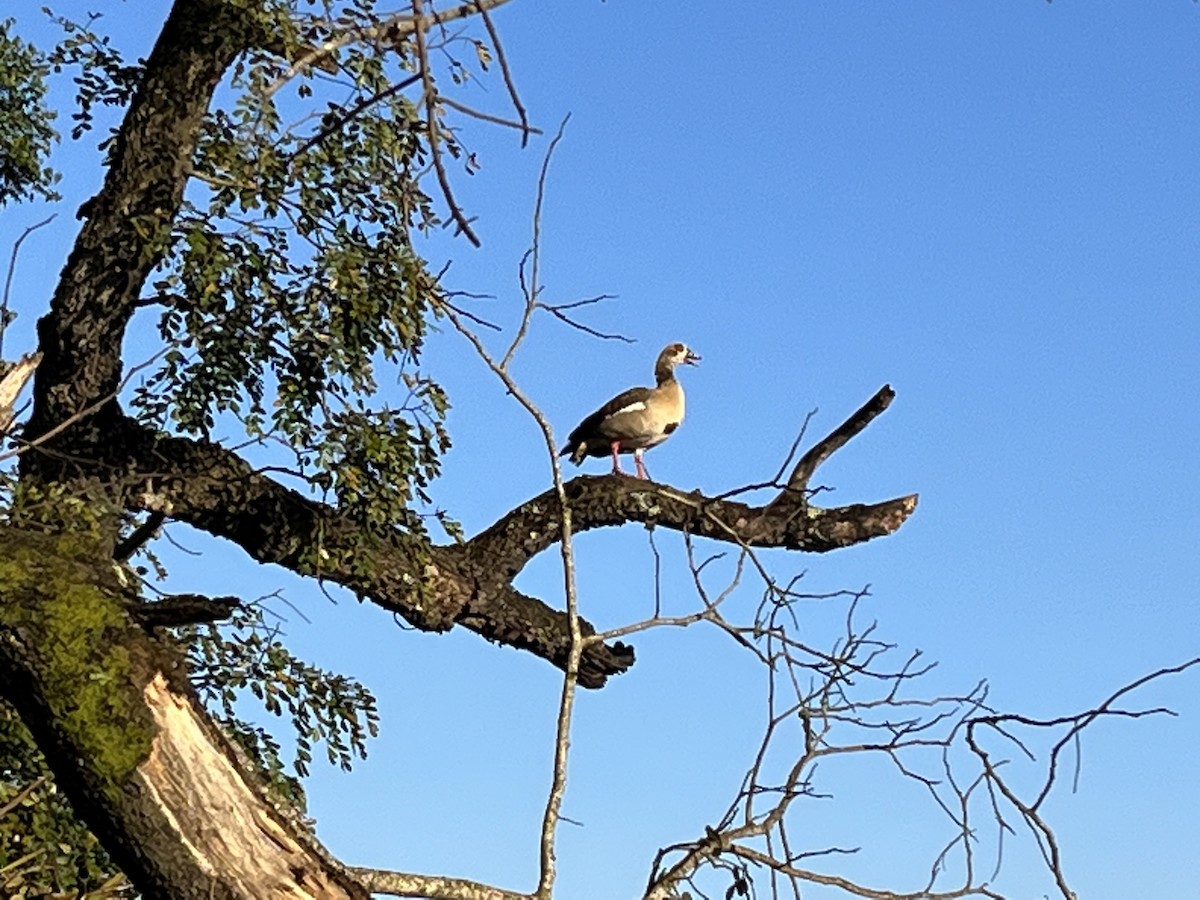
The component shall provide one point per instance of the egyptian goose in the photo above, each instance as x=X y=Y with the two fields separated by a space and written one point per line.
x=636 y=420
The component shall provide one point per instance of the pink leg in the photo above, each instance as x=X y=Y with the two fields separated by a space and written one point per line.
x=641 y=466
x=616 y=446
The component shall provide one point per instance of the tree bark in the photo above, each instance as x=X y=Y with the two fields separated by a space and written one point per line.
x=109 y=705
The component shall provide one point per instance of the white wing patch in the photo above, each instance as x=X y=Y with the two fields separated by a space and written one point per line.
x=632 y=407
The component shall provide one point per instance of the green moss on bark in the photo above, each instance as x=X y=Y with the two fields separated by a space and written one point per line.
x=58 y=603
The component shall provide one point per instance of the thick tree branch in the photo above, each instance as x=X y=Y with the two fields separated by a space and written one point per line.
x=470 y=584
x=600 y=501
x=184 y=609
x=215 y=490
x=607 y=500
x=129 y=221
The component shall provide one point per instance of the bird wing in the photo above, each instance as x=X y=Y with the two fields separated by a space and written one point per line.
x=590 y=427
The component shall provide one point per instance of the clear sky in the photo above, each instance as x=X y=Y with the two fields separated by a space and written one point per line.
x=993 y=207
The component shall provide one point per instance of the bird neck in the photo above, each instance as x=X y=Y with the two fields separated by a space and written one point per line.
x=664 y=373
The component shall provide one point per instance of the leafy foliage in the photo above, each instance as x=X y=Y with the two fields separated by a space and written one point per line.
x=104 y=78
x=324 y=707
x=44 y=848
x=24 y=122
x=292 y=277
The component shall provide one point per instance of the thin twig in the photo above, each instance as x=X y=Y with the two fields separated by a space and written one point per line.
x=474 y=113
x=12 y=268
x=430 y=100
x=506 y=73
x=535 y=251
x=558 y=311
x=358 y=108
x=22 y=794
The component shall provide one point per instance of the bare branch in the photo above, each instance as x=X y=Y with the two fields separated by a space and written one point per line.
x=12 y=268
x=524 y=127
x=430 y=100
x=795 y=492
x=390 y=30
x=509 y=83
x=559 y=311
x=535 y=251
x=405 y=884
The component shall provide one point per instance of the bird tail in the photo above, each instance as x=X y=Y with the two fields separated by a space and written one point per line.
x=577 y=452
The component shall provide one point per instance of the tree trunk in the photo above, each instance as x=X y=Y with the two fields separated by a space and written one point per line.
x=174 y=803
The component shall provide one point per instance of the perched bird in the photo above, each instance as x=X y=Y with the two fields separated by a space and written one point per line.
x=636 y=420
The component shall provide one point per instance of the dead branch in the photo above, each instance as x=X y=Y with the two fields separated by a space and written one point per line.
x=524 y=127
x=1030 y=812
x=796 y=493
x=8 y=277
x=184 y=609
x=576 y=633
x=12 y=381
x=214 y=489
x=825 y=695
x=406 y=884
x=559 y=311
x=430 y=100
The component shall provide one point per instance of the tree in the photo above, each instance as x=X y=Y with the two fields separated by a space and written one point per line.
x=280 y=260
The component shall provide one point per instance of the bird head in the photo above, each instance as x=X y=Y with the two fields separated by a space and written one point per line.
x=678 y=354
x=672 y=356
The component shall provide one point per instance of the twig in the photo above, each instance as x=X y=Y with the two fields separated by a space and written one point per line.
x=430 y=99
x=509 y=83
x=523 y=127
x=558 y=311
x=12 y=268
x=794 y=493
x=391 y=29
x=535 y=251
x=352 y=113
x=22 y=794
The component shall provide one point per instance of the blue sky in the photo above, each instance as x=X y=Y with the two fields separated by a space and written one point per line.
x=995 y=208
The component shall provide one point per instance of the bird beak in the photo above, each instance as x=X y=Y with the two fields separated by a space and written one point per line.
x=691 y=359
